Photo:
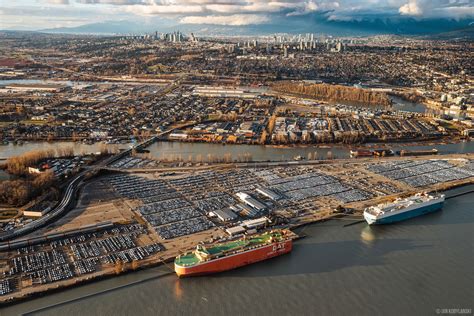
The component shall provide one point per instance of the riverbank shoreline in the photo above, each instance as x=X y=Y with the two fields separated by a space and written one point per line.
x=164 y=150
x=368 y=145
x=121 y=139
x=401 y=142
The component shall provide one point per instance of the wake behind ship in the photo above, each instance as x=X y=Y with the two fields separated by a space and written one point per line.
x=402 y=209
x=207 y=259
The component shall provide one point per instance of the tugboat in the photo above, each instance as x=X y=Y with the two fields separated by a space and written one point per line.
x=361 y=153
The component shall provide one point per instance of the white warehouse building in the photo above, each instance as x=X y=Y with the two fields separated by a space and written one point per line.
x=249 y=200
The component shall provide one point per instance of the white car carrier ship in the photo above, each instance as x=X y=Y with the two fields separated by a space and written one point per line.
x=402 y=209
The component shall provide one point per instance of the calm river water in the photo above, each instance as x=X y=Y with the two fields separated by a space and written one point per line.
x=410 y=268
x=173 y=150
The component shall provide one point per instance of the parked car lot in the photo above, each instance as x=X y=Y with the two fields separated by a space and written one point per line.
x=75 y=256
x=422 y=172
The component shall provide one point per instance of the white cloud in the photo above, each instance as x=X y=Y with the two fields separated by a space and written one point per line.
x=313 y=6
x=58 y=1
x=438 y=8
x=411 y=8
x=115 y=2
x=239 y=12
x=236 y=19
x=150 y=10
x=339 y=9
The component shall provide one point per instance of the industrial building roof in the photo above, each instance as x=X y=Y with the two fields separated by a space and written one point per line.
x=225 y=214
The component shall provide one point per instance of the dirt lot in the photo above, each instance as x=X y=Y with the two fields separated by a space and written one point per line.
x=97 y=203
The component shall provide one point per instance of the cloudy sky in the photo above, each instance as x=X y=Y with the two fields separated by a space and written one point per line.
x=39 y=14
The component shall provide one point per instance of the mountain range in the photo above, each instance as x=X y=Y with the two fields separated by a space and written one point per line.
x=313 y=23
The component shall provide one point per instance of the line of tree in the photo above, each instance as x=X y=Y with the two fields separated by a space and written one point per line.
x=333 y=92
x=18 y=192
x=18 y=165
x=411 y=97
x=200 y=158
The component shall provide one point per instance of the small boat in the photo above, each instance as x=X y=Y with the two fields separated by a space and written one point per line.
x=361 y=153
x=383 y=152
x=404 y=153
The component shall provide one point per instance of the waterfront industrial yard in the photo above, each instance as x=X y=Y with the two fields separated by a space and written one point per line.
x=146 y=217
x=256 y=126
x=354 y=266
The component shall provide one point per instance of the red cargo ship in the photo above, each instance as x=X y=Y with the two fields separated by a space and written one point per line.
x=233 y=254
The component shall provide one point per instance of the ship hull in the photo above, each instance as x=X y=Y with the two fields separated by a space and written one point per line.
x=234 y=261
x=372 y=220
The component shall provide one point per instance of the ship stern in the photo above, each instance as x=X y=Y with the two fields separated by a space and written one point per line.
x=369 y=218
x=180 y=270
